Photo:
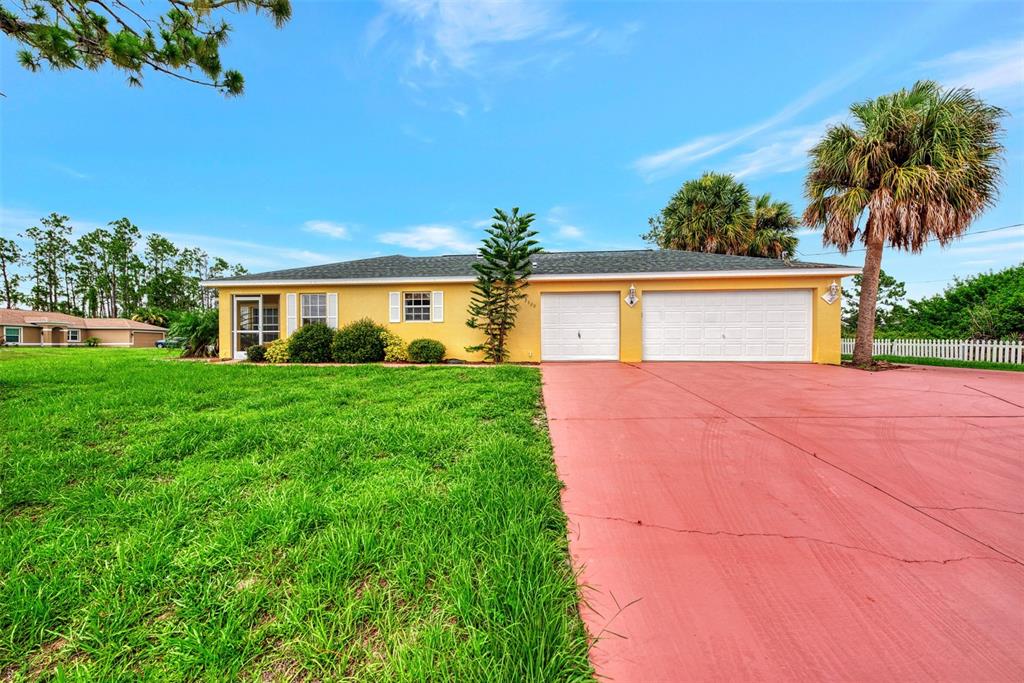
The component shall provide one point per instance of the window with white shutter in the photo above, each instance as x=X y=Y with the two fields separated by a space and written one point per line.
x=292 y=313
x=332 y=310
x=437 y=307
x=395 y=307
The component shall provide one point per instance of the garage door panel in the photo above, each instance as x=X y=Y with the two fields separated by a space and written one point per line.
x=734 y=325
x=580 y=326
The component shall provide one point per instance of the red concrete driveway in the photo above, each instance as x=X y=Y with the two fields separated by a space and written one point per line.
x=756 y=521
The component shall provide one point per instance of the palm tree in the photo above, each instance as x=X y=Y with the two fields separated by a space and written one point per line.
x=710 y=214
x=772 y=231
x=716 y=214
x=921 y=163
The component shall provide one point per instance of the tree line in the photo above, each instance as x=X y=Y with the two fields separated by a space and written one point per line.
x=983 y=306
x=110 y=272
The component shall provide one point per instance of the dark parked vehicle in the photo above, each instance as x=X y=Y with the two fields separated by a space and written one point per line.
x=170 y=343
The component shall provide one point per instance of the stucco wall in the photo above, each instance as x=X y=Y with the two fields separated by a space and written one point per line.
x=110 y=337
x=358 y=301
x=29 y=335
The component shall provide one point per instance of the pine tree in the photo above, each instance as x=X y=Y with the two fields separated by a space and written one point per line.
x=184 y=42
x=502 y=276
x=10 y=257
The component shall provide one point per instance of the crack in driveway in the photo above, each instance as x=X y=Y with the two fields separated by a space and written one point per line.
x=880 y=489
x=998 y=398
x=787 y=537
x=969 y=507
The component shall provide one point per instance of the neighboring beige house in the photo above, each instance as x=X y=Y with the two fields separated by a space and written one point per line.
x=44 y=328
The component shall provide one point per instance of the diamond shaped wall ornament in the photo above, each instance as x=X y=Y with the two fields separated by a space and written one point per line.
x=832 y=294
x=631 y=298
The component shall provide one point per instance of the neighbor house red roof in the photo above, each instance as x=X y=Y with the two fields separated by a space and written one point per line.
x=15 y=316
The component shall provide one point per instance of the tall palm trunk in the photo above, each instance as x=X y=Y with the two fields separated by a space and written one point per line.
x=862 y=349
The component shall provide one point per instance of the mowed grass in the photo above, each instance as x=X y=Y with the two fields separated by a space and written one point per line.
x=943 y=363
x=170 y=520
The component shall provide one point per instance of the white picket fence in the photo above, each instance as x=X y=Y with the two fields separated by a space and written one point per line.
x=948 y=349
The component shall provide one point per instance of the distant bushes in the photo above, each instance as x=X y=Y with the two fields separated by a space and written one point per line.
x=199 y=330
x=92 y=341
x=359 y=342
x=311 y=344
x=426 y=351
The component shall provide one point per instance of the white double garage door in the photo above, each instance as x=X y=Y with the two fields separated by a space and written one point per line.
x=741 y=325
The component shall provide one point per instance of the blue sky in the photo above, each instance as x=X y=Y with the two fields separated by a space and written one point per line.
x=376 y=128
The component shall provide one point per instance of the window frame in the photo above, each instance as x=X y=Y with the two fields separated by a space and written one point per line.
x=428 y=306
x=13 y=327
x=78 y=335
x=313 y=318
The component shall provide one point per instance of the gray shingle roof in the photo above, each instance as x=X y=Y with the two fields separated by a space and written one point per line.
x=548 y=263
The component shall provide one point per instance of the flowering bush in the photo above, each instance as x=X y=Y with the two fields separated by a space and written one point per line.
x=395 y=350
x=277 y=351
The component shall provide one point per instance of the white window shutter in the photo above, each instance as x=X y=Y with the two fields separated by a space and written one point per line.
x=437 y=307
x=332 y=309
x=395 y=307
x=292 y=319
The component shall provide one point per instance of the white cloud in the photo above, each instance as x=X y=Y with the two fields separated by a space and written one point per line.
x=995 y=67
x=339 y=231
x=70 y=172
x=557 y=217
x=1003 y=248
x=411 y=131
x=249 y=254
x=785 y=150
x=253 y=255
x=428 y=238
x=489 y=41
x=456 y=32
x=14 y=221
x=660 y=164
x=460 y=109
x=570 y=232
x=1008 y=233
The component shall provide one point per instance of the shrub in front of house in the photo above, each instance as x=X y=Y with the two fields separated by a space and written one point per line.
x=426 y=351
x=358 y=342
x=395 y=350
x=257 y=353
x=277 y=351
x=311 y=344
x=92 y=341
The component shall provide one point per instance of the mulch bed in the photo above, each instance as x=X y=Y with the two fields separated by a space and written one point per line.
x=876 y=366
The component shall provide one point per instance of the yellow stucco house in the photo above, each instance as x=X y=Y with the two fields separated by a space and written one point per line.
x=597 y=305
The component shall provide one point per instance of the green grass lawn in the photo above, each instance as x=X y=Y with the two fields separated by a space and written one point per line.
x=941 y=362
x=175 y=520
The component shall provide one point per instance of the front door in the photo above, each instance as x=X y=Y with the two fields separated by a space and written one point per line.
x=255 y=320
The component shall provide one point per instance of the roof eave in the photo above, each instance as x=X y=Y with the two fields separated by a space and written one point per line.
x=683 y=275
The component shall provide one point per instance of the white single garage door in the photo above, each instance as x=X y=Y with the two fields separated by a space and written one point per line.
x=748 y=325
x=579 y=326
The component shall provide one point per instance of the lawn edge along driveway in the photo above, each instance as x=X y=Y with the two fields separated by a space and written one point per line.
x=240 y=522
